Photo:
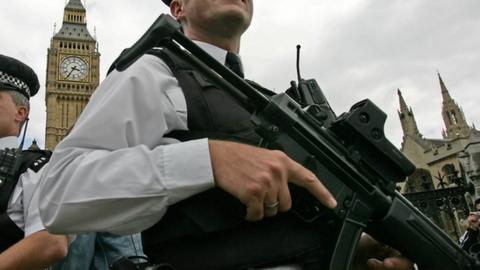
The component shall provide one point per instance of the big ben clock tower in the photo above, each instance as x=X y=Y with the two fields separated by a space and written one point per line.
x=72 y=73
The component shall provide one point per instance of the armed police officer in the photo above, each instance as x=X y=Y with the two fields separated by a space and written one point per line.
x=142 y=143
x=19 y=175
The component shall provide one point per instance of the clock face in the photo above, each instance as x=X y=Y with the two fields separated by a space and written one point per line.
x=73 y=68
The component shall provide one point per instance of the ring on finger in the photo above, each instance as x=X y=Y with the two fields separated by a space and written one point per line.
x=271 y=210
x=272 y=205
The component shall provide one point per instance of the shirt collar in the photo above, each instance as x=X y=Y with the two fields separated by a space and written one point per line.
x=218 y=53
x=8 y=142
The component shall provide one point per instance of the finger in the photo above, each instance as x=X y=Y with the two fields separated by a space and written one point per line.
x=375 y=264
x=305 y=178
x=271 y=204
x=284 y=198
x=373 y=248
x=254 y=210
x=398 y=263
x=380 y=250
x=368 y=241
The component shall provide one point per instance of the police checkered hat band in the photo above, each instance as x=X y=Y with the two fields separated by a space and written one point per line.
x=17 y=76
x=14 y=82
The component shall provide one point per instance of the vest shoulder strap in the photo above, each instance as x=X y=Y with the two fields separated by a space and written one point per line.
x=175 y=63
x=34 y=160
x=30 y=159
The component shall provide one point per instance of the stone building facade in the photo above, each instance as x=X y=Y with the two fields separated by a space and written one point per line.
x=446 y=167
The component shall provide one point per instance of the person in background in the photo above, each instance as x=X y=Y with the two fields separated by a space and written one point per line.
x=100 y=250
x=470 y=237
x=24 y=242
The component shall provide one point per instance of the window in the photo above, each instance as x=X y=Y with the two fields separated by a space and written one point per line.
x=451 y=173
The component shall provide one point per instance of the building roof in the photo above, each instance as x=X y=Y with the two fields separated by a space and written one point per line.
x=438 y=142
x=74 y=31
x=75 y=5
x=34 y=146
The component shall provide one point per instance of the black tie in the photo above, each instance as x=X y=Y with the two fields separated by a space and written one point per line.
x=233 y=63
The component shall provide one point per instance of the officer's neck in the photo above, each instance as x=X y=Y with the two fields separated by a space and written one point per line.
x=228 y=43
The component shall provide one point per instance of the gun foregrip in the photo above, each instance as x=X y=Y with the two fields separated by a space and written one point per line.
x=418 y=238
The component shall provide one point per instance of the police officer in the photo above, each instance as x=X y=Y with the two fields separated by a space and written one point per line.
x=124 y=143
x=24 y=243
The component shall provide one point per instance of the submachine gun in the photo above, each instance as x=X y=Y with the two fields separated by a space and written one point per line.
x=349 y=153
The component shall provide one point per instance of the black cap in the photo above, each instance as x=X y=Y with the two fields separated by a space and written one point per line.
x=167 y=2
x=16 y=76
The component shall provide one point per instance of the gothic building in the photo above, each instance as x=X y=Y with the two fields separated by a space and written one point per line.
x=72 y=72
x=445 y=166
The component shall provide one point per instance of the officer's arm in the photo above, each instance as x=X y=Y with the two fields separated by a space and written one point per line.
x=37 y=251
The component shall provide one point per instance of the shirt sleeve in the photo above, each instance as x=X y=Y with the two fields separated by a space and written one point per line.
x=15 y=205
x=116 y=171
x=468 y=239
x=33 y=222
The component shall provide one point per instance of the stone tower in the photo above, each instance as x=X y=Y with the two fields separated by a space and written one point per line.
x=72 y=72
x=407 y=119
x=455 y=124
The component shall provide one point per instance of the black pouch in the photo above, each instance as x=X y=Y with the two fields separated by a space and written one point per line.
x=208 y=231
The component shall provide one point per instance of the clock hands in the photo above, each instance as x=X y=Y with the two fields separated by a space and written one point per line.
x=73 y=69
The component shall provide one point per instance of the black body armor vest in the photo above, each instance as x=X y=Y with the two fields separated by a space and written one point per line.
x=209 y=231
x=10 y=233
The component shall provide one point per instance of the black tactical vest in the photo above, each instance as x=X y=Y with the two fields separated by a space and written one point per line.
x=10 y=233
x=209 y=231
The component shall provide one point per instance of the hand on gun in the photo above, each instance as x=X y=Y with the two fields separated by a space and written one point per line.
x=373 y=255
x=259 y=178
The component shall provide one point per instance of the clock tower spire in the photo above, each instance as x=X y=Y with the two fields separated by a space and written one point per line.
x=72 y=72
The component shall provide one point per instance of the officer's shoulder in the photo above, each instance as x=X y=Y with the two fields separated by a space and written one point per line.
x=157 y=55
x=146 y=65
x=164 y=55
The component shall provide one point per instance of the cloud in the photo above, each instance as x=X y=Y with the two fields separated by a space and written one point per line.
x=371 y=48
x=355 y=49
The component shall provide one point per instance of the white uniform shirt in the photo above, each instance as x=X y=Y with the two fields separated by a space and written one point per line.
x=116 y=171
x=22 y=209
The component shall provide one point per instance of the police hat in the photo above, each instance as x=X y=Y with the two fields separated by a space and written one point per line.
x=16 y=76
x=167 y=2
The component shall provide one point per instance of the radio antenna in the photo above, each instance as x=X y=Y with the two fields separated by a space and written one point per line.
x=298 y=63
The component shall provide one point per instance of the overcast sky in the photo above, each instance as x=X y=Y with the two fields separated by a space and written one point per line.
x=355 y=49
